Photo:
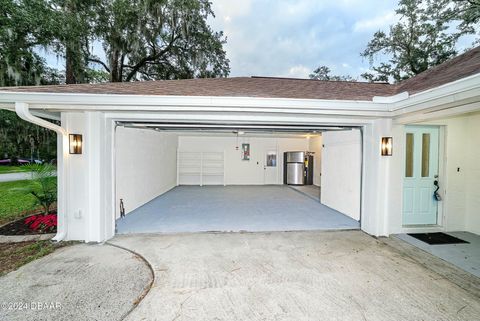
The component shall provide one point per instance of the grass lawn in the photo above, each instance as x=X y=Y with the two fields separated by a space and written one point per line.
x=14 y=255
x=12 y=169
x=14 y=202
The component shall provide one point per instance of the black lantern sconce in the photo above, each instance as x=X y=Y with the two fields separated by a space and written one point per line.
x=75 y=143
x=387 y=146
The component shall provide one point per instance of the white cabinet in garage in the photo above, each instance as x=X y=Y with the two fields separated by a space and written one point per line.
x=200 y=168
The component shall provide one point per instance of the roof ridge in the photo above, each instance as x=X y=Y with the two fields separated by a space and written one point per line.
x=321 y=80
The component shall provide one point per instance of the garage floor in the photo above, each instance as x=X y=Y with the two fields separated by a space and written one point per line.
x=337 y=275
x=232 y=208
x=311 y=191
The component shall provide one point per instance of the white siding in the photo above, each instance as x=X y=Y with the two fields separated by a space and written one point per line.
x=146 y=166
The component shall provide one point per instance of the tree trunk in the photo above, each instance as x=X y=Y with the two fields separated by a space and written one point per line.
x=69 y=68
x=115 y=74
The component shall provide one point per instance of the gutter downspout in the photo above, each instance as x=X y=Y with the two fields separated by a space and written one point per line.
x=23 y=112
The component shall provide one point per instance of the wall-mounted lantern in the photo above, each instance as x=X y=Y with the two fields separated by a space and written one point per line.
x=386 y=146
x=75 y=142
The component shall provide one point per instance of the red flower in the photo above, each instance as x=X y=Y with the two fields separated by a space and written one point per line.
x=42 y=222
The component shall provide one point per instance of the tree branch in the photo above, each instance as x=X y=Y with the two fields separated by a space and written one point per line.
x=149 y=58
x=98 y=61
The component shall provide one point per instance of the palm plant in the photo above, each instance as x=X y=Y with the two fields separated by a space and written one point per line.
x=43 y=185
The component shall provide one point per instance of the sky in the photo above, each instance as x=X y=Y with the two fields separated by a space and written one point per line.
x=290 y=38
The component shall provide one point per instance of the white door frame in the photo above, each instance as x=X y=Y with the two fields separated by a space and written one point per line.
x=443 y=181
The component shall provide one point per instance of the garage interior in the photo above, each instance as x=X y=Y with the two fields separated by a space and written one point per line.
x=181 y=177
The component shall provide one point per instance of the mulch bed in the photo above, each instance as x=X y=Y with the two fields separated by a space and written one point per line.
x=33 y=224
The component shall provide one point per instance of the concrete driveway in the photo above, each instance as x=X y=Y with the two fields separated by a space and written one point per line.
x=344 y=275
x=79 y=282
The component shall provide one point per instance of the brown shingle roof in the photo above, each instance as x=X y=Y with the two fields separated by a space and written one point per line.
x=270 y=87
x=231 y=87
x=462 y=66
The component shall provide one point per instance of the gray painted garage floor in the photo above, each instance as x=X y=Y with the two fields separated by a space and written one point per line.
x=336 y=275
x=232 y=208
x=465 y=256
x=311 y=191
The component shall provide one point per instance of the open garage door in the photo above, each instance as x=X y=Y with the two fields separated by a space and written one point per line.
x=342 y=171
x=194 y=178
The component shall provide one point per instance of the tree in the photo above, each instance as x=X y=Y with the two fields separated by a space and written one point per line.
x=22 y=30
x=422 y=38
x=465 y=11
x=74 y=37
x=417 y=42
x=17 y=136
x=323 y=73
x=145 y=39
x=142 y=40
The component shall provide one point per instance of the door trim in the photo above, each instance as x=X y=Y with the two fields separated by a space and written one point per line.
x=443 y=178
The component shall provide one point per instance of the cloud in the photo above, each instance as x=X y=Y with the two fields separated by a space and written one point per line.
x=298 y=72
x=380 y=22
x=291 y=38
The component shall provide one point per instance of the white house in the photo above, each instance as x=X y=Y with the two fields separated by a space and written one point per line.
x=135 y=136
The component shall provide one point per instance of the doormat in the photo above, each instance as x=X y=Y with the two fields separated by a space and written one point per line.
x=437 y=238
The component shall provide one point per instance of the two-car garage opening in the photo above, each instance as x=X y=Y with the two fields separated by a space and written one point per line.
x=181 y=177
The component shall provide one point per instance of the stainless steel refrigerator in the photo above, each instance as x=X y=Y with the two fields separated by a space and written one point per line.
x=295 y=168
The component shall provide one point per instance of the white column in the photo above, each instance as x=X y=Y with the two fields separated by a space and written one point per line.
x=376 y=179
x=89 y=186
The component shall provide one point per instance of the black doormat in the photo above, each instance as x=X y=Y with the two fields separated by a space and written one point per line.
x=437 y=238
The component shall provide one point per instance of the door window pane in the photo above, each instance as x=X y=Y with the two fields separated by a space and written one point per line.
x=409 y=156
x=425 y=155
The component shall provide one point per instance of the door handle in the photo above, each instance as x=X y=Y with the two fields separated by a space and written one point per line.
x=436 y=194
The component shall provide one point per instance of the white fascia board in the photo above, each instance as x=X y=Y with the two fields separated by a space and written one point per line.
x=390 y=99
x=249 y=110
x=438 y=114
x=454 y=91
x=107 y=102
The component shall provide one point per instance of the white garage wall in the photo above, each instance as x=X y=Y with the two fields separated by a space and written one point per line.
x=237 y=171
x=146 y=165
x=315 y=145
x=341 y=171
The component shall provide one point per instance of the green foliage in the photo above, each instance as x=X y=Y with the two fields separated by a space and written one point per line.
x=421 y=39
x=142 y=39
x=14 y=200
x=323 y=73
x=25 y=26
x=417 y=42
x=43 y=187
x=466 y=12
x=19 y=138
x=11 y=169
x=169 y=39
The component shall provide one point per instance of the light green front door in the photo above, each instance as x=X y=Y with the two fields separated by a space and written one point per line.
x=420 y=206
